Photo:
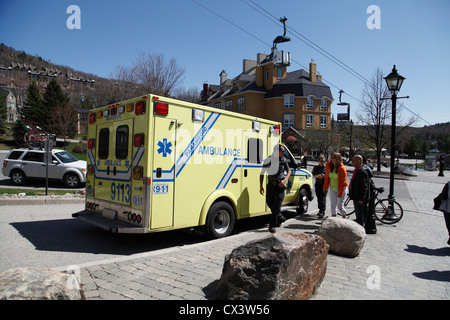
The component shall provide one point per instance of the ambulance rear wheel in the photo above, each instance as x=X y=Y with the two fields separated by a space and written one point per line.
x=220 y=220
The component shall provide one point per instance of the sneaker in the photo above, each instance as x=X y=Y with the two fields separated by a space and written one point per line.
x=321 y=215
x=272 y=230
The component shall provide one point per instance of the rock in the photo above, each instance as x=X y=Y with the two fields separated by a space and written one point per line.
x=283 y=266
x=38 y=284
x=345 y=237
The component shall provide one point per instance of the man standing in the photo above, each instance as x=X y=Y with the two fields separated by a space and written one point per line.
x=278 y=175
x=319 y=174
x=359 y=189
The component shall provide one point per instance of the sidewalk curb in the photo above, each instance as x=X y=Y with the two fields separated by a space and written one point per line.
x=21 y=202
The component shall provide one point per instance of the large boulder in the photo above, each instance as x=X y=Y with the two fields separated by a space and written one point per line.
x=345 y=237
x=283 y=266
x=38 y=284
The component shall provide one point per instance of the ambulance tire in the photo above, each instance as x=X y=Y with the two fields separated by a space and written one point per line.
x=303 y=201
x=220 y=220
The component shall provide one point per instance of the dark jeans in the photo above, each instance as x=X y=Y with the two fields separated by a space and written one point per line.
x=321 y=197
x=447 y=221
x=274 y=199
x=360 y=211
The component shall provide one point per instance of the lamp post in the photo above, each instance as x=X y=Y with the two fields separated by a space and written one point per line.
x=394 y=82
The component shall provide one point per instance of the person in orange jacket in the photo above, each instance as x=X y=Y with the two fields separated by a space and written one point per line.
x=336 y=179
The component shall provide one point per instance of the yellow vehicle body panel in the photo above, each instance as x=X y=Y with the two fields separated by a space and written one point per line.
x=156 y=163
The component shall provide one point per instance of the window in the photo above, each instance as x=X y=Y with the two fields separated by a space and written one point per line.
x=14 y=155
x=324 y=104
x=241 y=104
x=280 y=73
x=267 y=74
x=310 y=121
x=65 y=157
x=323 y=121
x=103 y=143
x=229 y=105
x=310 y=102
x=289 y=101
x=288 y=121
x=122 y=142
x=217 y=105
x=255 y=150
x=34 y=156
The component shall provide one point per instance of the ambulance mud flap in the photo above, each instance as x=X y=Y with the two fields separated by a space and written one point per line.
x=113 y=226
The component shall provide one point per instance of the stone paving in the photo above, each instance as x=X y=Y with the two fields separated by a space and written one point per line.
x=408 y=260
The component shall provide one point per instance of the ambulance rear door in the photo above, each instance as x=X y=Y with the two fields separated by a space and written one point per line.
x=114 y=161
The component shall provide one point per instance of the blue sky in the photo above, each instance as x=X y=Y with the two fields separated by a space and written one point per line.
x=413 y=35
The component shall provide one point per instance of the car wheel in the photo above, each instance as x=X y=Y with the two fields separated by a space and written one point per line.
x=18 y=177
x=303 y=201
x=71 y=180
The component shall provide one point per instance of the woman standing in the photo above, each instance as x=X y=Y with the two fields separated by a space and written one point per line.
x=336 y=179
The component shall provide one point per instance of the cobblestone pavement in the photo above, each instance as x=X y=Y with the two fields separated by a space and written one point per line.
x=408 y=260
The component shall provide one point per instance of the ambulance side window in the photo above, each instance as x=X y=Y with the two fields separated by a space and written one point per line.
x=103 y=143
x=255 y=150
x=122 y=142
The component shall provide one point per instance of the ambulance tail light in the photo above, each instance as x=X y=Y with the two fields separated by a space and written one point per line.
x=92 y=118
x=139 y=108
x=138 y=173
x=138 y=140
x=91 y=143
x=161 y=108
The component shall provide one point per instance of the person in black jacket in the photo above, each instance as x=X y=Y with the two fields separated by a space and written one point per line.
x=319 y=174
x=359 y=189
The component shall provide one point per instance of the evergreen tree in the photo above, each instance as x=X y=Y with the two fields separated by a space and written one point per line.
x=34 y=104
x=54 y=97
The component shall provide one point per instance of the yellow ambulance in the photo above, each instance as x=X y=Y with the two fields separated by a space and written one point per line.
x=156 y=164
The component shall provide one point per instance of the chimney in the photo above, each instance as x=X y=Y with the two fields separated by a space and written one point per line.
x=312 y=71
x=204 y=93
x=223 y=77
x=319 y=77
x=260 y=57
x=248 y=65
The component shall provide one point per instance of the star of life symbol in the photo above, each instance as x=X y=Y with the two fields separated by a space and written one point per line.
x=164 y=147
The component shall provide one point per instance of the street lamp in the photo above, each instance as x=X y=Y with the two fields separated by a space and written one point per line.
x=394 y=82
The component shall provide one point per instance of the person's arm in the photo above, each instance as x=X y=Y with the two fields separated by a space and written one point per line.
x=261 y=180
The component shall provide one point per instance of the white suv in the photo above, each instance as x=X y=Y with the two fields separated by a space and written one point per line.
x=21 y=164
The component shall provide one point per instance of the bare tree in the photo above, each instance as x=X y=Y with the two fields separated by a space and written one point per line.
x=375 y=115
x=149 y=73
x=190 y=95
x=63 y=121
x=124 y=87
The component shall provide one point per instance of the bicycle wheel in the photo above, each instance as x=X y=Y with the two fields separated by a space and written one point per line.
x=345 y=205
x=387 y=213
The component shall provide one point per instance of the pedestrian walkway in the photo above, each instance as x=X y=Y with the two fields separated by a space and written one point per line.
x=407 y=260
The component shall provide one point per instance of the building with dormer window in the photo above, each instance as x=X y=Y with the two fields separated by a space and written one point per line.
x=297 y=99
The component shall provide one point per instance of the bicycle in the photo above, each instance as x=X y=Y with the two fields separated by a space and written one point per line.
x=387 y=211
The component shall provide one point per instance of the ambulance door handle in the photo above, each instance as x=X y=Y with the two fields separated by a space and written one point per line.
x=114 y=170
x=107 y=170
x=158 y=172
x=245 y=172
